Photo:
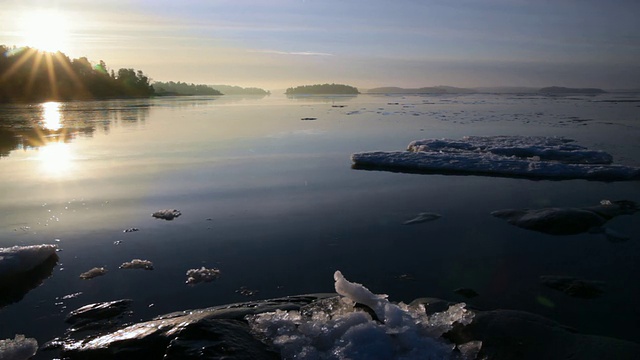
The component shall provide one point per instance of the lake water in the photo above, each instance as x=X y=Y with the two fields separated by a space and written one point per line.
x=272 y=201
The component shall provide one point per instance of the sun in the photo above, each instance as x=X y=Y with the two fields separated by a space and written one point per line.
x=46 y=30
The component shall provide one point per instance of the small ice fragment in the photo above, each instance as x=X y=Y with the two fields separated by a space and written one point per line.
x=117 y=242
x=133 y=229
x=18 y=348
x=97 y=271
x=166 y=214
x=72 y=296
x=246 y=292
x=195 y=276
x=423 y=217
x=137 y=264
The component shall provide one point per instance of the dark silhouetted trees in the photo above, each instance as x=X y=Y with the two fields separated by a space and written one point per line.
x=28 y=74
x=326 y=89
x=180 y=88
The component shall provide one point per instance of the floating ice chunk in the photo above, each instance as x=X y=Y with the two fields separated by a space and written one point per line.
x=137 y=264
x=96 y=271
x=527 y=156
x=423 y=217
x=540 y=147
x=195 y=276
x=19 y=259
x=166 y=214
x=18 y=348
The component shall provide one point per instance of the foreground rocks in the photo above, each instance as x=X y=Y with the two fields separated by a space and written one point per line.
x=222 y=332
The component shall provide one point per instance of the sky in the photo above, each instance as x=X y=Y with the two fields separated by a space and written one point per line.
x=275 y=44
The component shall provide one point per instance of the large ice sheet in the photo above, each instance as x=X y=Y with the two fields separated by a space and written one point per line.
x=19 y=259
x=518 y=156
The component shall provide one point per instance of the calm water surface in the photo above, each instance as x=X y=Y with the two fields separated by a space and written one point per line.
x=271 y=200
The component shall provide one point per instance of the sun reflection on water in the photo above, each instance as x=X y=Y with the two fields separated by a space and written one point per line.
x=52 y=119
x=56 y=159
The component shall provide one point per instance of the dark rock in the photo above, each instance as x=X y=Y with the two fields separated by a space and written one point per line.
x=510 y=334
x=466 y=292
x=567 y=221
x=574 y=287
x=98 y=311
x=212 y=333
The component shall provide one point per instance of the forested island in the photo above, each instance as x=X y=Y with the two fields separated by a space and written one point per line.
x=28 y=74
x=237 y=90
x=323 y=89
x=181 y=88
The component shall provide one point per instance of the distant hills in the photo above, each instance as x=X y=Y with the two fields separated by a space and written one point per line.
x=494 y=90
x=564 y=90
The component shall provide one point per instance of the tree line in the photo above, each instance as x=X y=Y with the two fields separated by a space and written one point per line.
x=181 y=88
x=337 y=89
x=28 y=74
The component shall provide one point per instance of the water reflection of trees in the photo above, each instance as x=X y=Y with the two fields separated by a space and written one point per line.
x=24 y=126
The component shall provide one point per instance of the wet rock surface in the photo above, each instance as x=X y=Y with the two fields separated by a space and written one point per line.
x=211 y=333
x=223 y=333
x=567 y=221
x=574 y=287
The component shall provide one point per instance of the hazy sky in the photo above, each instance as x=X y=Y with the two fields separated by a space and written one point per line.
x=365 y=43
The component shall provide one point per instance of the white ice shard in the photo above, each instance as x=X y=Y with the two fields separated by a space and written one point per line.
x=525 y=156
x=18 y=259
x=18 y=348
x=331 y=329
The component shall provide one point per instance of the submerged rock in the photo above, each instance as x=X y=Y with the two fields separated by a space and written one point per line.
x=423 y=217
x=568 y=221
x=586 y=289
x=466 y=292
x=166 y=214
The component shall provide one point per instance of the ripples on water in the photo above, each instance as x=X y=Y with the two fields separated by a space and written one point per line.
x=272 y=202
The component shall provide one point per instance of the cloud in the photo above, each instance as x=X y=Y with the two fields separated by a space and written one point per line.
x=302 y=53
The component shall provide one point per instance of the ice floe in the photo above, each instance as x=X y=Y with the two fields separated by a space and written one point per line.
x=96 y=271
x=137 y=264
x=18 y=348
x=331 y=329
x=166 y=214
x=521 y=156
x=23 y=268
x=203 y=274
x=19 y=259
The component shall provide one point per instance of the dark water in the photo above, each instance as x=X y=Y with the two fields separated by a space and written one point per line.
x=272 y=201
